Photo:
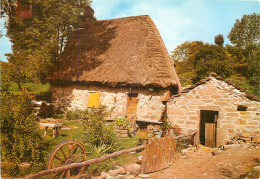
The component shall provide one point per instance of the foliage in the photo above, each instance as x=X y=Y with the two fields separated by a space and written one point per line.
x=38 y=41
x=173 y=131
x=97 y=132
x=46 y=111
x=182 y=143
x=76 y=114
x=244 y=36
x=246 y=31
x=20 y=137
x=143 y=134
x=124 y=123
x=194 y=60
x=219 y=40
x=5 y=79
x=100 y=149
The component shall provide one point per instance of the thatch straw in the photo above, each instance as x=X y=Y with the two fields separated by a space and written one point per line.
x=125 y=51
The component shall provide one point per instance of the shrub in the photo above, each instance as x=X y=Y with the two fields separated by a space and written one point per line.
x=77 y=115
x=97 y=132
x=143 y=134
x=20 y=140
x=124 y=123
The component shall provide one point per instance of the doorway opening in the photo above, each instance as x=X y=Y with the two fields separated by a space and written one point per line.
x=132 y=105
x=208 y=126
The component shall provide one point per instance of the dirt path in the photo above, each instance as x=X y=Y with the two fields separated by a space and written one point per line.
x=232 y=163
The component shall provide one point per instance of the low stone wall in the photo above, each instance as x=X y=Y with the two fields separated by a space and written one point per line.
x=215 y=95
x=149 y=106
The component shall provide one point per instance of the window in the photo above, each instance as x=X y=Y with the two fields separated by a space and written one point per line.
x=93 y=99
x=241 y=108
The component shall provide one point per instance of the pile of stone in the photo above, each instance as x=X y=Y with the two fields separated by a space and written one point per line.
x=127 y=171
x=244 y=138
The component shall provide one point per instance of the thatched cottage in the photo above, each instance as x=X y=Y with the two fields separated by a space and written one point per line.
x=121 y=63
x=216 y=109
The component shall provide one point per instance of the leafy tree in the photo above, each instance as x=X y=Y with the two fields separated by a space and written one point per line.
x=246 y=31
x=244 y=36
x=219 y=40
x=194 y=60
x=42 y=37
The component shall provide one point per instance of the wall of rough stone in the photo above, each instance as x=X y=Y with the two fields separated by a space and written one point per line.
x=149 y=107
x=215 y=95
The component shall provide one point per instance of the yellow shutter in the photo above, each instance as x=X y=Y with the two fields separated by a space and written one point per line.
x=93 y=99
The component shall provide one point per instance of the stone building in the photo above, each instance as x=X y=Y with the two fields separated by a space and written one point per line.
x=216 y=109
x=121 y=63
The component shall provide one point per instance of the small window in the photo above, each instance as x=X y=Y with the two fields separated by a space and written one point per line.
x=241 y=108
x=93 y=99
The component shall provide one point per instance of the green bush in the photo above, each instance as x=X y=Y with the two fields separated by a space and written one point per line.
x=99 y=133
x=20 y=136
x=76 y=115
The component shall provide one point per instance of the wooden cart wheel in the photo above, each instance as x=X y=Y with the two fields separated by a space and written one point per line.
x=66 y=153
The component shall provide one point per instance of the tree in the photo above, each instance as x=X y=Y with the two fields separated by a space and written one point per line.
x=194 y=60
x=246 y=31
x=244 y=36
x=219 y=40
x=42 y=38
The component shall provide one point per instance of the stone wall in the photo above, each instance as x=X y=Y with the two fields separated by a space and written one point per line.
x=149 y=107
x=215 y=95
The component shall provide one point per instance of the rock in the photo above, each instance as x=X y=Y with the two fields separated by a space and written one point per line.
x=256 y=139
x=215 y=152
x=98 y=177
x=114 y=172
x=143 y=175
x=226 y=147
x=246 y=145
x=140 y=158
x=134 y=168
x=103 y=175
x=244 y=135
x=24 y=165
x=257 y=168
x=184 y=151
x=121 y=170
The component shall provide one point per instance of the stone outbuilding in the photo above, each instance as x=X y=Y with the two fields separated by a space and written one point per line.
x=216 y=109
x=121 y=63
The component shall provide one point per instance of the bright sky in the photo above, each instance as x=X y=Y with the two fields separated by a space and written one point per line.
x=177 y=20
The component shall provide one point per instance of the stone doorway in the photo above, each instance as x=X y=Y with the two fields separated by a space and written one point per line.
x=208 y=126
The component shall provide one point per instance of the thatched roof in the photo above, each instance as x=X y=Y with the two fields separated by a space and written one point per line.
x=117 y=52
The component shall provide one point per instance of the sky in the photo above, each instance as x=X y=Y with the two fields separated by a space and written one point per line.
x=177 y=20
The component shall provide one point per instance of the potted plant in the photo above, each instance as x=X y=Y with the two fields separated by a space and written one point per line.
x=123 y=127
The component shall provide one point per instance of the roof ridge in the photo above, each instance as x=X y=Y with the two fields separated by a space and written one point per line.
x=204 y=80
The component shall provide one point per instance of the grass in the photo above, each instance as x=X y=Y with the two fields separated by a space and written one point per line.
x=38 y=90
x=33 y=88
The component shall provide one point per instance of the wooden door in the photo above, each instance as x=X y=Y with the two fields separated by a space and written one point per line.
x=210 y=134
x=131 y=106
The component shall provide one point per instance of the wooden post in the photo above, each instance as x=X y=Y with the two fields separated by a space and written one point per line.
x=45 y=131
x=53 y=132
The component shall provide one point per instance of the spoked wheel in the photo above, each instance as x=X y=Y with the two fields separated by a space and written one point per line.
x=66 y=153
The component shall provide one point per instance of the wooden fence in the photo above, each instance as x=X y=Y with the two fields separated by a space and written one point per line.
x=158 y=154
